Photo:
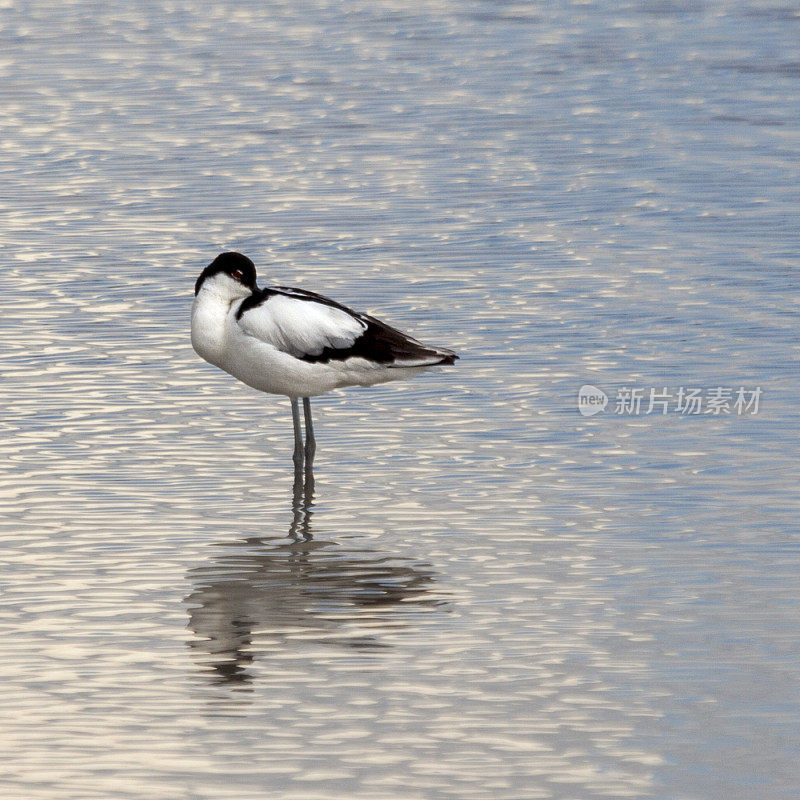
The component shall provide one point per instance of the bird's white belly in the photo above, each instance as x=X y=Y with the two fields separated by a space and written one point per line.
x=268 y=369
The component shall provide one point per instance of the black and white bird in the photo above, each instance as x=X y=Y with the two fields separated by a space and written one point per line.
x=294 y=342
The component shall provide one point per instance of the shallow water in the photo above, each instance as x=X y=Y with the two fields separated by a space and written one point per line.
x=500 y=597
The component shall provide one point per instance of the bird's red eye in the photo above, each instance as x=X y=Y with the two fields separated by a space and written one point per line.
x=237 y=273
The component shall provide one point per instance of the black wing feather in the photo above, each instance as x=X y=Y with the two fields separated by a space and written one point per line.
x=383 y=344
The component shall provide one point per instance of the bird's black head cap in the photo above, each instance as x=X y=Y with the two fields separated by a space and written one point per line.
x=239 y=267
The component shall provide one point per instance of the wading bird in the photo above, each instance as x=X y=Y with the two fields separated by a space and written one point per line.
x=296 y=343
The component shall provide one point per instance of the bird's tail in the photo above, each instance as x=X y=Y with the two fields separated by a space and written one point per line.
x=445 y=356
x=426 y=357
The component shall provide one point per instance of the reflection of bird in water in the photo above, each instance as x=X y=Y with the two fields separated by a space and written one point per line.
x=262 y=592
x=270 y=590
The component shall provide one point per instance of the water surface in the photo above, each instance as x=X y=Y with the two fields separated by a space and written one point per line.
x=494 y=597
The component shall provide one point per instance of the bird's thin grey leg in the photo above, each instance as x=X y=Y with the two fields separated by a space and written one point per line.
x=298 y=434
x=311 y=442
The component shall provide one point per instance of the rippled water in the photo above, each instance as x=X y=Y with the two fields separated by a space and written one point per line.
x=495 y=597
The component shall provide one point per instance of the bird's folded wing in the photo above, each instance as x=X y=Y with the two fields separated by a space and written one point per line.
x=299 y=326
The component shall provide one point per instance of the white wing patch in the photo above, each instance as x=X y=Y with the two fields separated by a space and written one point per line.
x=301 y=327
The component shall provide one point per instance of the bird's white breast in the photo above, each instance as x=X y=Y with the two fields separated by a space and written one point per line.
x=208 y=327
